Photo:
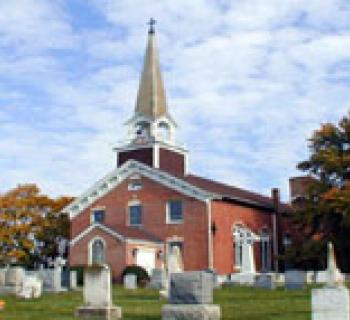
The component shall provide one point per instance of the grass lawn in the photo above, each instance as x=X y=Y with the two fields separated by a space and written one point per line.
x=237 y=303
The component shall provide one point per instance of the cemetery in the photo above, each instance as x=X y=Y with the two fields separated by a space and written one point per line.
x=173 y=293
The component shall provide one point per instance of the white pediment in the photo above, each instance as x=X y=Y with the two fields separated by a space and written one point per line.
x=129 y=169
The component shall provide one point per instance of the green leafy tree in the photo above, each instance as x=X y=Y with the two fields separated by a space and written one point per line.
x=324 y=214
x=30 y=224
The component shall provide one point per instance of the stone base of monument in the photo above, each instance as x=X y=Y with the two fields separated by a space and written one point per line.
x=10 y=290
x=330 y=303
x=191 y=312
x=247 y=279
x=108 y=313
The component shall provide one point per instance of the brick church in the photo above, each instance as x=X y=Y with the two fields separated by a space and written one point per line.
x=150 y=202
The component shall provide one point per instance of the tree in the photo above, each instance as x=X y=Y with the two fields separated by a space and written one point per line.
x=324 y=215
x=30 y=224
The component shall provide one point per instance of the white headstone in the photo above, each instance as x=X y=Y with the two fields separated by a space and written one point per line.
x=174 y=262
x=31 y=288
x=333 y=278
x=174 y=265
x=97 y=287
x=73 y=280
x=130 y=281
x=330 y=304
x=2 y=277
x=248 y=261
x=332 y=301
x=98 y=295
x=14 y=276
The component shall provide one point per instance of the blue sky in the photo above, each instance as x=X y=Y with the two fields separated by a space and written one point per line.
x=246 y=80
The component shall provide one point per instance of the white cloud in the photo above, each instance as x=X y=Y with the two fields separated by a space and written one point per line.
x=247 y=81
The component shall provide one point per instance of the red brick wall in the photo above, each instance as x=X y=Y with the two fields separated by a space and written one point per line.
x=172 y=162
x=226 y=215
x=144 y=155
x=153 y=197
x=115 y=252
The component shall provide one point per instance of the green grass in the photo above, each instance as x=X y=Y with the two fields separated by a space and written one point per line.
x=237 y=303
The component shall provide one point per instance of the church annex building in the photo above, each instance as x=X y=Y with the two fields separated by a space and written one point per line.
x=150 y=202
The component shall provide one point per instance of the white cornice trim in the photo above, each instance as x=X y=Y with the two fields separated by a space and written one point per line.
x=145 y=242
x=133 y=146
x=114 y=234
x=114 y=178
x=94 y=226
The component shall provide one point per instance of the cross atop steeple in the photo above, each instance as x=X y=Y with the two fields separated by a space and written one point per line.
x=152 y=22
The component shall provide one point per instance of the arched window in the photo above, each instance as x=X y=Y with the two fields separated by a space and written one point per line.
x=98 y=255
x=163 y=131
x=142 y=129
x=241 y=235
x=265 y=250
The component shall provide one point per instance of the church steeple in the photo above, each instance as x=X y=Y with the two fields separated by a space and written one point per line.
x=151 y=130
x=151 y=120
x=151 y=98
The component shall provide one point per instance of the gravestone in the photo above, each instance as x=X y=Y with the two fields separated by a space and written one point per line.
x=98 y=295
x=330 y=304
x=191 y=297
x=174 y=265
x=13 y=280
x=31 y=288
x=158 y=279
x=310 y=277
x=332 y=301
x=130 y=281
x=14 y=276
x=51 y=279
x=265 y=281
x=321 y=277
x=73 y=280
x=192 y=287
x=295 y=279
x=2 y=277
x=248 y=260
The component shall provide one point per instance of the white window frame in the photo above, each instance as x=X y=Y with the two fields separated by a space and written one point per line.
x=167 y=212
x=265 y=251
x=91 y=242
x=133 y=204
x=92 y=214
x=241 y=233
x=135 y=186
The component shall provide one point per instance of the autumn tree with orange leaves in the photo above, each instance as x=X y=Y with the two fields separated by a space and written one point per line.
x=325 y=213
x=30 y=224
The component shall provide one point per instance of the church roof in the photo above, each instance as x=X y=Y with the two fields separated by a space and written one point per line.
x=151 y=98
x=233 y=193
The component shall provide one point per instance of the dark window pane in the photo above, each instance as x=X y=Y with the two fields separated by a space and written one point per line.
x=175 y=210
x=98 y=252
x=98 y=216
x=135 y=214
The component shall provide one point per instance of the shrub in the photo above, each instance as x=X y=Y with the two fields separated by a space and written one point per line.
x=141 y=274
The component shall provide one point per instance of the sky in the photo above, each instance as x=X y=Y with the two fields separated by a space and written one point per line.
x=247 y=81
